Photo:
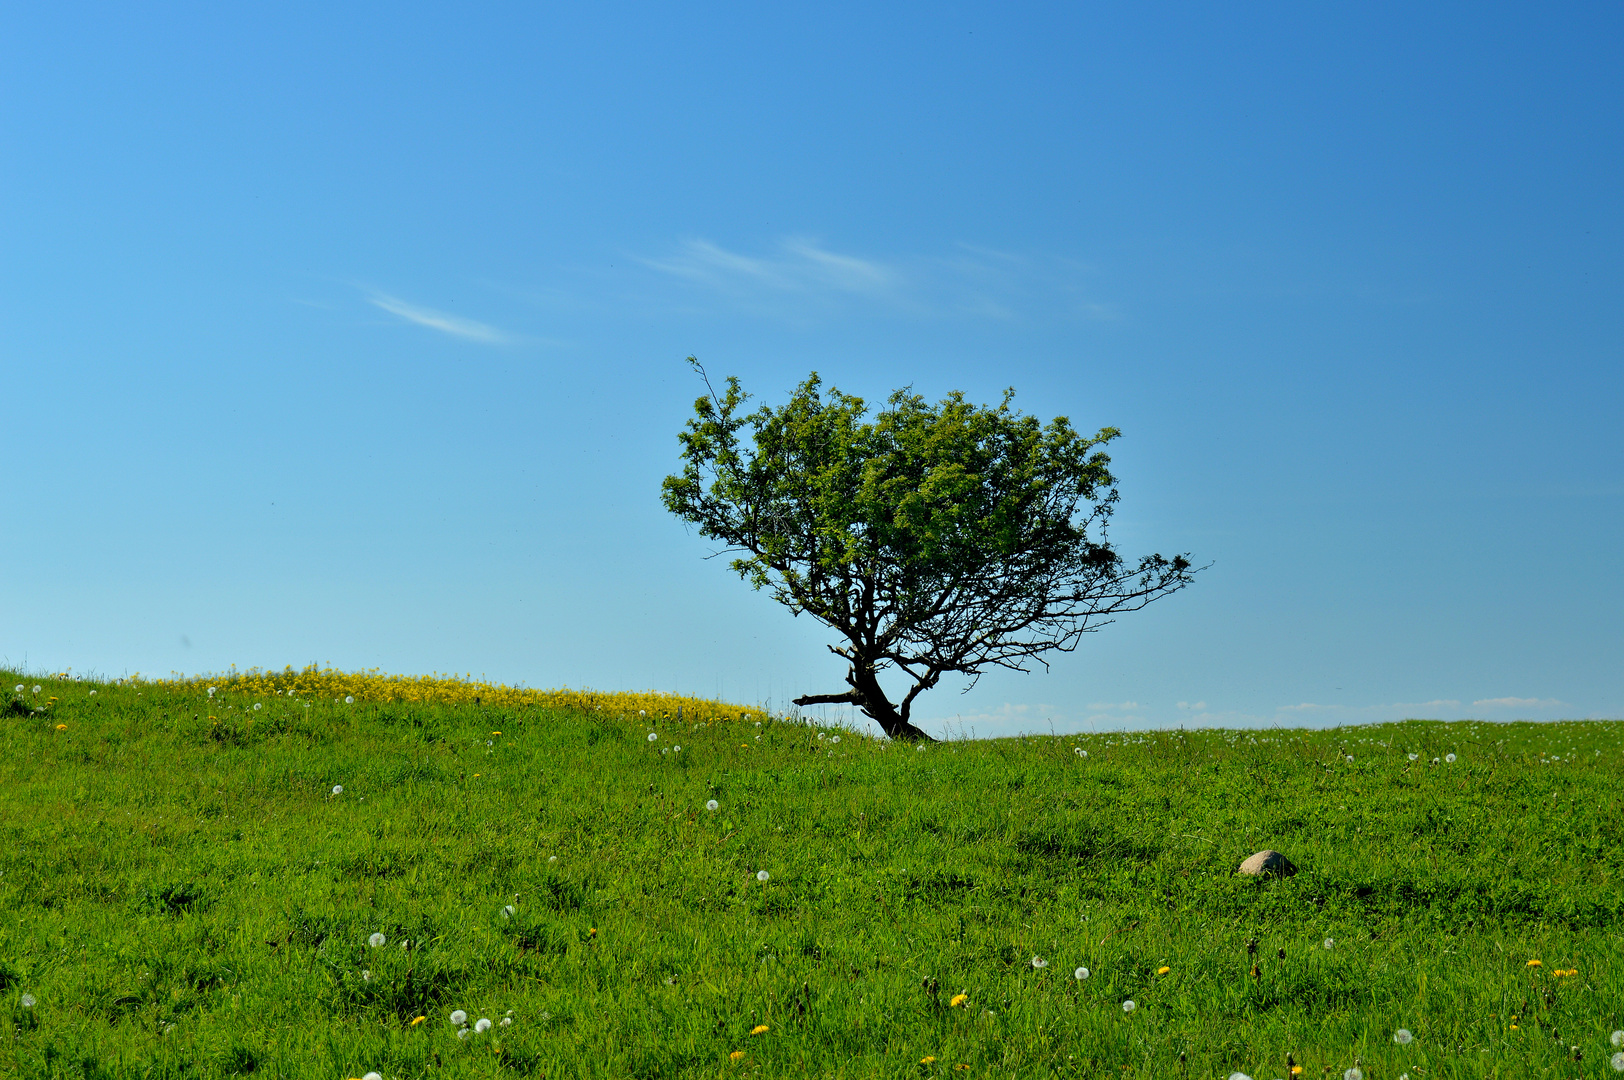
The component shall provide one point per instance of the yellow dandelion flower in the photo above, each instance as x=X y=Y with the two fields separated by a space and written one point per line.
x=1514 y=1027
x=61 y=727
x=592 y=931
x=737 y=1055
x=496 y=733
x=927 y=1061
x=959 y=999
x=1296 y=1070
x=759 y=1029
x=1535 y=963
x=1163 y=970
x=417 y=1021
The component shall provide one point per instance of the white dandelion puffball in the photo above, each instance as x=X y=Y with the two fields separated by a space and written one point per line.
x=37 y=689
x=1330 y=943
x=349 y=700
x=28 y=1001
x=338 y=789
x=482 y=1024
x=507 y=1021
x=19 y=688
x=921 y=749
x=1039 y=962
x=462 y=1033
x=1435 y=761
x=459 y=1017
x=712 y=804
x=376 y=941
x=366 y=976
x=1239 y=1076
x=93 y=694
x=1350 y=759
x=1618 y=1061
x=1128 y=1006
x=835 y=739
x=1354 y=1073
x=1080 y=974
x=1402 y=1036
x=211 y=691
x=676 y=749
x=552 y=858
x=371 y=1076
x=1618 y=1038
x=652 y=736
x=509 y=911
x=642 y=712
x=1449 y=758
x=1414 y=756
x=762 y=875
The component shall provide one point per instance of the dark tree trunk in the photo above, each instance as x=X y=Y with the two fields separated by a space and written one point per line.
x=866 y=694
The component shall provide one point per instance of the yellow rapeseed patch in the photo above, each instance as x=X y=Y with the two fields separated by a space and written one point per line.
x=374 y=687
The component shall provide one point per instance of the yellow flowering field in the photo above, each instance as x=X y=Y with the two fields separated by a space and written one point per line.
x=376 y=687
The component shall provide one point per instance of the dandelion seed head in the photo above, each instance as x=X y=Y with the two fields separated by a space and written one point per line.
x=462 y=1033
x=1450 y=758
x=1414 y=756
x=711 y=804
x=482 y=1024
x=1354 y=1073
x=1618 y=1038
x=376 y=941
x=1080 y=974
x=507 y=1021
x=762 y=875
x=27 y=1001
x=1402 y=1036
x=1128 y=1006
x=19 y=688
x=366 y=976
x=835 y=739
x=211 y=691
x=552 y=858
x=338 y=789
x=349 y=700
x=1239 y=1076
x=1039 y=962
x=258 y=706
x=509 y=911
x=1617 y=1061
x=459 y=1017
x=372 y=1076
x=1330 y=943
x=653 y=735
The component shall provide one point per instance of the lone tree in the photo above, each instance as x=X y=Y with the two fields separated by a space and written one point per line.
x=936 y=539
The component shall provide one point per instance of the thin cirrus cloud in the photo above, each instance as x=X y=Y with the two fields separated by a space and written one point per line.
x=444 y=322
x=800 y=278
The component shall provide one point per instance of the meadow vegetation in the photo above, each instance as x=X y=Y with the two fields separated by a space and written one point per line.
x=258 y=881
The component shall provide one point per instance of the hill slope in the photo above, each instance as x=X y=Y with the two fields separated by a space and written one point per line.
x=190 y=884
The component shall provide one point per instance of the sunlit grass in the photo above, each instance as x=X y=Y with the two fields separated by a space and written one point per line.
x=193 y=886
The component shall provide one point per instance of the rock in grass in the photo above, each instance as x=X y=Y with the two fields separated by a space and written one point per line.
x=1267 y=862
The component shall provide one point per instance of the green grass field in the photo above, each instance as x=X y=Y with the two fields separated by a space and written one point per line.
x=187 y=896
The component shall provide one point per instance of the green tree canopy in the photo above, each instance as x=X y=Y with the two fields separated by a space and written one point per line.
x=936 y=539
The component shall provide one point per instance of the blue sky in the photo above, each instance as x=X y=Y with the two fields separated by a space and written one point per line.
x=354 y=334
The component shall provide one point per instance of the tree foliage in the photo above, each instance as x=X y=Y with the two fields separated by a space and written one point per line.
x=936 y=539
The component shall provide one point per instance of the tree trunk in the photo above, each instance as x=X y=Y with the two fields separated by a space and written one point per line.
x=877 y=707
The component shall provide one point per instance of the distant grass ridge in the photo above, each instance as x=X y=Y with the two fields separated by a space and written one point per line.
x=276 y=884
x=376 y=687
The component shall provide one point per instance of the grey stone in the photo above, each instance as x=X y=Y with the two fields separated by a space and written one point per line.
x=1267 y=862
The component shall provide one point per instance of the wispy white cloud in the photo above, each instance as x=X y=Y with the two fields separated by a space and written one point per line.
x=799 y=266
x=801 y=278
x=454 y=325
x=1516 y=703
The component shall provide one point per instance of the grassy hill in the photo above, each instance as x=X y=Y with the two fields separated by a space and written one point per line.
x=193 y=885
